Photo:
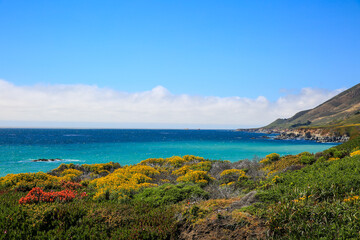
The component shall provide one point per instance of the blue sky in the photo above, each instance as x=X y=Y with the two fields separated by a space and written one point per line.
x=200 y=49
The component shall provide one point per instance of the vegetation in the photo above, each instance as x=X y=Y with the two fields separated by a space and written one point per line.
x=304 y=196
x=339 y=114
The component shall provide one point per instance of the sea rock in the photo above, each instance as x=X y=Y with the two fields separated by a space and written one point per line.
x=47 y=160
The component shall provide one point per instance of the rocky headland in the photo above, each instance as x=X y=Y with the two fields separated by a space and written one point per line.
x=336 y=120
x=313 y=134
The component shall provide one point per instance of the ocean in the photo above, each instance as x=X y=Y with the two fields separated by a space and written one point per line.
x=19 y=147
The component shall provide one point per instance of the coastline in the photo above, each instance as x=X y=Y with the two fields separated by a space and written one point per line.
x=316 y=134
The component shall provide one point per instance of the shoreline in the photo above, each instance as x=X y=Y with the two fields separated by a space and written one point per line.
x=316 y=134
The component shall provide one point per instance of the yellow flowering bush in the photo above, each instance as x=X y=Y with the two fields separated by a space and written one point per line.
x=195 y=177
x=270 y=173
x=27 y=181
x=355 y=153
x=273 y=157
x=154 y=161
x=201 y=166
x=276 y=179
x=70 y=174
x=352 y=199
x=302 y=199
x=281 y=164
x=123 y=182
x=182 y=171
x=189 y=158
x=229 y=176
x=101 y=167
x=176 y=161
x=71 y=171
x=232 y=172
x=265 y=161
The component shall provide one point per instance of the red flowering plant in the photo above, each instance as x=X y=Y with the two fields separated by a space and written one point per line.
x=37 y=195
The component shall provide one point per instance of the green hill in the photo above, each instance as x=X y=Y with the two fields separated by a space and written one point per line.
x=341 y=110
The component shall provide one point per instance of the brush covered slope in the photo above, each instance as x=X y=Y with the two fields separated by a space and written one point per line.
x=336 y=120
x=304 y=196
x=343 y=109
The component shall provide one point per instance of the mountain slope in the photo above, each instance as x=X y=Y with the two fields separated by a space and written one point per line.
x=341 y=110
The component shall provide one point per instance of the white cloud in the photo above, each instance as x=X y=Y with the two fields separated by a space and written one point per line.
x=90 y=104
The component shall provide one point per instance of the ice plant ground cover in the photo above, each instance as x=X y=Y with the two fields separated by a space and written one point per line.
x=308 y=196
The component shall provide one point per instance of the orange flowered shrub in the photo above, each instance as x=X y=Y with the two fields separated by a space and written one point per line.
x=37 y=195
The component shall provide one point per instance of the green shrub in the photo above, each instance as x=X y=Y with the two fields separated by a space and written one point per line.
x=310 y=203
x=169 y=193
x=307 y=159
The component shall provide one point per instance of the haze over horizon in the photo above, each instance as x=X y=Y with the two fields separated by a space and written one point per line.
x=203 y=64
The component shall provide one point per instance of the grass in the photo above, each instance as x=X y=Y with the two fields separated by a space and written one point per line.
x=311 y=202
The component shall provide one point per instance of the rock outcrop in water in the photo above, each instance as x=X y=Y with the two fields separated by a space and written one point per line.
x=47 y=160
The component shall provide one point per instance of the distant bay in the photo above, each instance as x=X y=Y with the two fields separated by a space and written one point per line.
x=19 y=147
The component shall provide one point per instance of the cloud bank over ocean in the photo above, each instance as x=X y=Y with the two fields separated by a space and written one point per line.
x=92 y=106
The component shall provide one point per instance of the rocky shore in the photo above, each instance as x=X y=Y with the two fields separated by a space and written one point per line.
x=315 y=134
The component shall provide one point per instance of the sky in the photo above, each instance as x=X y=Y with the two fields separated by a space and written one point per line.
x=172 y=64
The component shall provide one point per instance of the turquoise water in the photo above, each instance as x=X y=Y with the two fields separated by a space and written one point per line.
x=18 y=147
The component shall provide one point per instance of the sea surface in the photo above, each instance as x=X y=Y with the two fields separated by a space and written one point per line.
x=18 y=147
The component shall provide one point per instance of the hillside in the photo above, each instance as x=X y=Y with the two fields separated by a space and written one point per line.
x=303 y=196
x=336 y=120
x=341 y=110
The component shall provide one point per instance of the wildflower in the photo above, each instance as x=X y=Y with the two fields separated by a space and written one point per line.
x=355 y=153
x=195 y=177
x=351 y=199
